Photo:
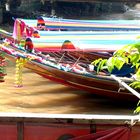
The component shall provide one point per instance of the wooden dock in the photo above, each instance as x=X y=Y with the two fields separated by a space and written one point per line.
x=93 y=0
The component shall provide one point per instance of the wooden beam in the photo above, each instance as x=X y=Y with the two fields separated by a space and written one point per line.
x=132 y=1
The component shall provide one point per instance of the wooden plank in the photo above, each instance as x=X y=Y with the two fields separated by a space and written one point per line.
x=20 y=131
x=96 y=1
x=26 y=116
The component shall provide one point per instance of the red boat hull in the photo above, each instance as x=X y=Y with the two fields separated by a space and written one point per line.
x=35 y=126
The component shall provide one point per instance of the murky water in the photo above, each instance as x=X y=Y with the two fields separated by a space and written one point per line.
x=41 y=95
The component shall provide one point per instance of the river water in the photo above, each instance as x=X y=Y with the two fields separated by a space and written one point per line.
x=41 y=95
x=130 y=14
x=44 y=96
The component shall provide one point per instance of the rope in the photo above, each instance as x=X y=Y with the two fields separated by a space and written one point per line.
x=2 y=67
x=126 y=86
x=20 y=62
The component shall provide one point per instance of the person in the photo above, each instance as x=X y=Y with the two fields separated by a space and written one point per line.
x=29 y=45
x=22 y=43
x=36 y=34
x=41 y=24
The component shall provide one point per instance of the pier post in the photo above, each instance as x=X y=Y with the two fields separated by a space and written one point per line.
x=53 y=7
x=7 y=5
x=1 y=15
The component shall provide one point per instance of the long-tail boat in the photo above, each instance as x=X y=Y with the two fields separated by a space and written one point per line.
x=55 y=24
x=32 y=24
x=87 y=25
x=100 y=25
x=74 y=73
x=77 y=41
x=79 y=38
x=80 y=41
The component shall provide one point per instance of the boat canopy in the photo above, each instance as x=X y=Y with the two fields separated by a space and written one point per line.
x=89 y=41
x=89 y=25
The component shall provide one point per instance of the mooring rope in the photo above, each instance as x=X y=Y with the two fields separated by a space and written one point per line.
x=20 y=62
x=2 y=67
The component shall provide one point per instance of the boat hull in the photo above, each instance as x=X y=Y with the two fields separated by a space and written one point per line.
x=98 y=85
x=103 y=87
x=33 y=126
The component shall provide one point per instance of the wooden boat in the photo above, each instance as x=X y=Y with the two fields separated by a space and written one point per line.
x=75 y=41
x=90 y=25
x=45 y=23
x=79 y=41
x=18 y=126
x=31 y=26
x=90 y=56
x=87 y=45
x=93 y=45
x=73 y=73
x=5 y=34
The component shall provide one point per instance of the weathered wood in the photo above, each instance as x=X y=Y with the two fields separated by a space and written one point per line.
x=42 y=117
x=1 y=15
x=20 y=130
x=97 y=0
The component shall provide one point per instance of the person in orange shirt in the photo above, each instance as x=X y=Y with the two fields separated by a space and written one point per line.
x=36 y=34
